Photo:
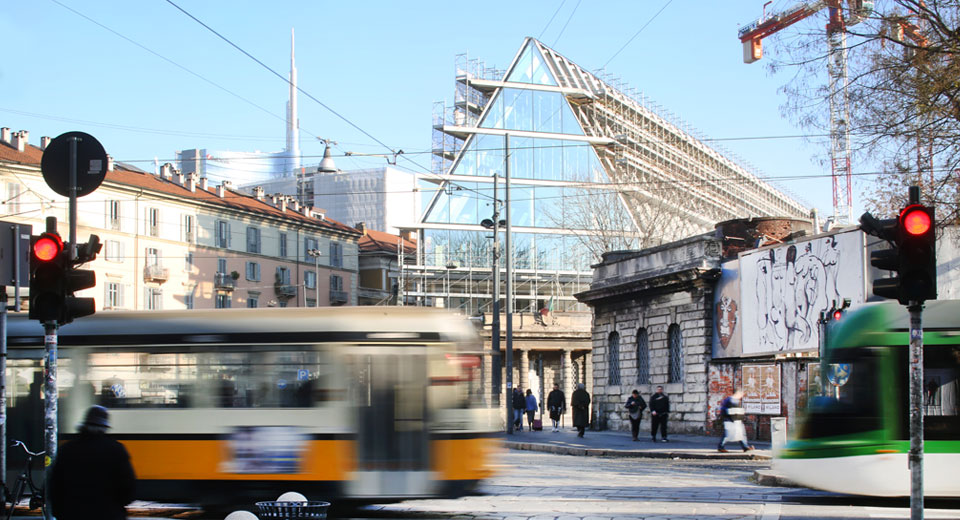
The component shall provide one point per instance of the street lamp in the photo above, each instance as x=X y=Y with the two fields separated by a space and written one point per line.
x=315 y=253
x=450 y=267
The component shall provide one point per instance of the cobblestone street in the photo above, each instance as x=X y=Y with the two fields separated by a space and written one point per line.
x=560 y=487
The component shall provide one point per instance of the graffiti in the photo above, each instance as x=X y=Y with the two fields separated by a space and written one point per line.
x=793 y=285
x=727 y=317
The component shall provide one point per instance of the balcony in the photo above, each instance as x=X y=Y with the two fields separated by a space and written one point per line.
x=338 y=297
x=155 y=273
x=285 y=290
x=224 y=281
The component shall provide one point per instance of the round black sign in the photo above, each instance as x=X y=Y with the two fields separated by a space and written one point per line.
x=91 y=163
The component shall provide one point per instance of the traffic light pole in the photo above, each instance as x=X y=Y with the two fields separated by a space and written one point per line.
x=50 y=406
x=916 y=410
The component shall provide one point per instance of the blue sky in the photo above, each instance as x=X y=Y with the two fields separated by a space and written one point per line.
x=381 y=65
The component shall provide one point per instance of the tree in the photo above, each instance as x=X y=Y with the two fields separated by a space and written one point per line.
x=904 y=98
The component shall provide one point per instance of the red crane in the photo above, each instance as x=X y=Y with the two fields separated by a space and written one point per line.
x=752 y=35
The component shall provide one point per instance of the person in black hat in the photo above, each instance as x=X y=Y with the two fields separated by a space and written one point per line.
x=92 y=476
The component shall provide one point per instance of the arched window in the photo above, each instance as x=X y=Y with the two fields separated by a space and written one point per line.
x=676 y=354
x=643 y=357
x=613 y=359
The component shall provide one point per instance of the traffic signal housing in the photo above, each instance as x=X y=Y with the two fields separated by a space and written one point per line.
x=912 y=256
x=77 y=280
x=46 y=277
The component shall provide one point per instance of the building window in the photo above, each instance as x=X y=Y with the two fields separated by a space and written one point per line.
x=114 y=296
x=283 y=245
x=188 y=262
x=613 y=359
x=336 y=254
x=222 y=234
x=308 y=244
x=336 y=282
x=253 y=302
x=153 y=256
x=13 y=198
x=189 y=225
x=114 y=251
x=223 y=301
x=221 y=265
x=153 y=222
x=283 y=276
x=113 y=214
x=188 y=299
x=310 y=279
x=676 y=354
x=253 y=240
x=311 y=302
x=253 y=271
x=643 y=357
x=154 y=299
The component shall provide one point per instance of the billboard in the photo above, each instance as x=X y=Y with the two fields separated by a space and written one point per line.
x=783 y=289
x=727 y=337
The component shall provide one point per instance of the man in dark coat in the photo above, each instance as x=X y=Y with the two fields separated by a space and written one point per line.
x=92 y=476
x=635 y=407
x=581 y=409
x=659 y=410
x=557 y=404
x=519 y=406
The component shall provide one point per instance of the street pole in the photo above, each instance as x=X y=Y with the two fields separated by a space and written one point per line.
x=316 y=275
x=916 y=410
x=495 y=332
x=509 y=353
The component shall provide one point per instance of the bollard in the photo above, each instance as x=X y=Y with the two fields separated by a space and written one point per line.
x=778 y=433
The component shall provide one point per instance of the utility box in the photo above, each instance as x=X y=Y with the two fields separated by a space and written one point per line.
x=15 y=254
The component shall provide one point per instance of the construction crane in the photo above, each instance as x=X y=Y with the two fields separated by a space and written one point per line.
x=752 y=35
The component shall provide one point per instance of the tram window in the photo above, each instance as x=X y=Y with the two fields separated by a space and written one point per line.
x=244 y=379
x=850 y=404
x=941 y=392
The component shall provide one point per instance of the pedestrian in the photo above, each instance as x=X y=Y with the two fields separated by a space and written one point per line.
x=635 y=407
x=92 y=476
x=659 y=411
x=581 y=409
x=531 y=408
x=519 y=405
x=557 y=404
x=731 y=413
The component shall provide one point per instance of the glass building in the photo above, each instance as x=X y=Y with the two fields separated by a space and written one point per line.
x=592 y=168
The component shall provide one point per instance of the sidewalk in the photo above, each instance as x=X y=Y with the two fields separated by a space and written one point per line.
x=618 y=444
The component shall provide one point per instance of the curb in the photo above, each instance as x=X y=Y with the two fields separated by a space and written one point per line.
x=601 y=452
x=765 y=477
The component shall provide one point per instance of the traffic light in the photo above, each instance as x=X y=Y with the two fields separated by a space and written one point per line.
x=913 y=252
x=918 y=254
x=838 y=312
x=46 y=277
x=77 y=280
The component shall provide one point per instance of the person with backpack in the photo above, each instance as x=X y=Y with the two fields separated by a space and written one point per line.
x=635 y=407
x=531 y=403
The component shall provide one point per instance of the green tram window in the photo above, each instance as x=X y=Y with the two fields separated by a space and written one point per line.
x=851 y=401
x=941 y=393
x=234 y=379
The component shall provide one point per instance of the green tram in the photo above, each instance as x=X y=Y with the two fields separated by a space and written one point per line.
x=855 y=437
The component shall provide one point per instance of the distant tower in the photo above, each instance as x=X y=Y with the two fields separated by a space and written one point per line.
x=292 y=151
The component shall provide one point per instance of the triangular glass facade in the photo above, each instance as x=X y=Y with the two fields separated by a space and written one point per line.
x=561 y=166
x=531 y=68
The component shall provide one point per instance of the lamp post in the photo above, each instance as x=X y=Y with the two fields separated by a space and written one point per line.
x=315 y=253
x=450 y=267
x=495 y=224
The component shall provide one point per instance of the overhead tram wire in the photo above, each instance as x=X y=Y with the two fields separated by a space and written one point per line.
x=654 y=17
x=174 y=63
x=300 y=89
x=567 y=23
x=545 y=27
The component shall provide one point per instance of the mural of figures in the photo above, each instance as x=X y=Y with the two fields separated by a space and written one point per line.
x=726 y=305
x=784 y=289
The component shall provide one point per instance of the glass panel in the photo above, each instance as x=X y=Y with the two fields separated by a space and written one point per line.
x=517 y=109
x=521 y=155
x=548 y=206
x=440 y=213
x=569 y=121
x=489 y=155
x=493 y=118
x=613 y=359
x=643 y=357
x=852 y=401
x=436 y=247
x=468 y=160
x=463 y=203
x=521 y=205
x=427 y=190
x=523 y=250
x=941 y=392
x=676 y=354
x=531 y=68
x=471 y=249
x=549 y=252
x=547 y=110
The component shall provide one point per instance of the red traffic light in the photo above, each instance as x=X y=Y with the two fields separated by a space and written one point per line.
x=837 y=314
x=916 y=220
x=47 y=247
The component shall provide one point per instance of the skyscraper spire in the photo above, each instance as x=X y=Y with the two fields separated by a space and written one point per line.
x=292 y=151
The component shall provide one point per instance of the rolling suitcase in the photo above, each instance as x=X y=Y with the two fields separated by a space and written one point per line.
x=538 y=425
